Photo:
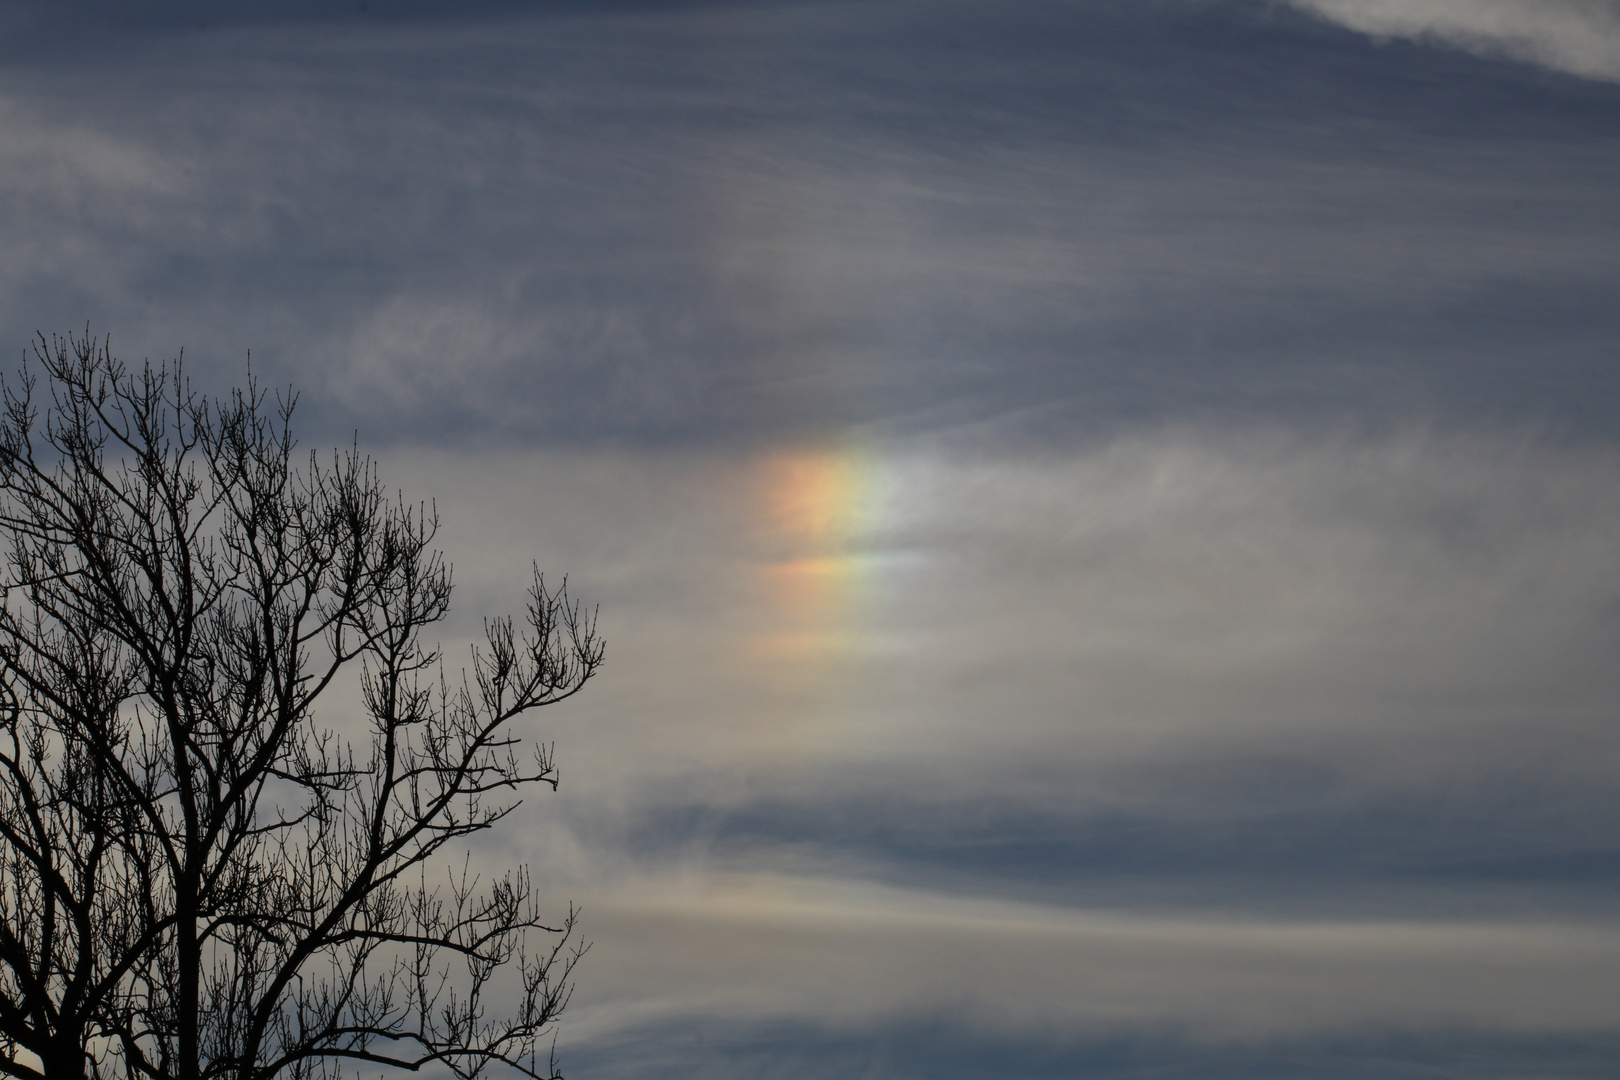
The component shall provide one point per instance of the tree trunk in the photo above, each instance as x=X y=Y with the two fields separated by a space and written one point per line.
x=66 y=1061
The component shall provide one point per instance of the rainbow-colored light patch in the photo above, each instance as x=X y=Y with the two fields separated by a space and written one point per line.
x=814 y=505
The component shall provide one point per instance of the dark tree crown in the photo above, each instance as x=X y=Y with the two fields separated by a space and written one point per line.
x=200 y=879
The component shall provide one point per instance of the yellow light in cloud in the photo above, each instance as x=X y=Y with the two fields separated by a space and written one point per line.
x=812 y=502
x=813 y=496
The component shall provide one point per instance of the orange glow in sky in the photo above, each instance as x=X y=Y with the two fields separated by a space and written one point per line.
x=811 y=503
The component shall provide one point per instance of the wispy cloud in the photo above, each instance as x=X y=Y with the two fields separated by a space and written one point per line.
x=843 y=955
x=1581 y=37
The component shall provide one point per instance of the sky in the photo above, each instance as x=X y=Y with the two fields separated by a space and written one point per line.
x=1103 y=512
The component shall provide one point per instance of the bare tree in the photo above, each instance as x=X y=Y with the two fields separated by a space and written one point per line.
x=199 y=878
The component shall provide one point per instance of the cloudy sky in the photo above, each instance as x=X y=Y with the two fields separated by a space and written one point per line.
x=1106 y=514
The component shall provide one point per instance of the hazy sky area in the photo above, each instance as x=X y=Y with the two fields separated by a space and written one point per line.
x=1106 y=515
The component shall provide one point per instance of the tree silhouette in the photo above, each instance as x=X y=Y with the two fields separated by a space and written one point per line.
x=199 y=876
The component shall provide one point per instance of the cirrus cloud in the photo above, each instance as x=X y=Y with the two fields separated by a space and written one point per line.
x=1579 y=37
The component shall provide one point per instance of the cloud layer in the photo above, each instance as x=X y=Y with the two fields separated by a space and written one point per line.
x=684 y=226
x=1243 y=738
x=1114 y=499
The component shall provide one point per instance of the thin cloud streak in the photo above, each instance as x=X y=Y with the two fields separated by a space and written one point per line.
x=846 y=954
